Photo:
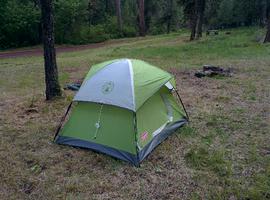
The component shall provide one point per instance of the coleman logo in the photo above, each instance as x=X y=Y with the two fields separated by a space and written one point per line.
x=144 y=136
x=107 y=87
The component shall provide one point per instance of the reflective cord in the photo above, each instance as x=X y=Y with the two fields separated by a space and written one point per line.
x=97 y=124
x=182 y=104
x=62 y=121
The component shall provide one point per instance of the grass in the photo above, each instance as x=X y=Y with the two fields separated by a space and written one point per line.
x=222 y=154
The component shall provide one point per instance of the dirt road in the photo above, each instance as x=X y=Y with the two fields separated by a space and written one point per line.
x=38 y=51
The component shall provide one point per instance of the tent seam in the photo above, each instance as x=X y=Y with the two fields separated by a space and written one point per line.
x=132 y=81
x=136 y=138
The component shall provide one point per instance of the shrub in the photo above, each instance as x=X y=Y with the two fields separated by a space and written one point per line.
x=84 y=35
x=19 y=24
x=129 y=31
x=111 y=28
x=94 y=34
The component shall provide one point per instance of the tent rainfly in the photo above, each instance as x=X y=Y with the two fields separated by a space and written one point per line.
x=124 y=108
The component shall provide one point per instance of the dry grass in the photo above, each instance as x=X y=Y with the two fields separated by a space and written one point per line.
x=222 y=154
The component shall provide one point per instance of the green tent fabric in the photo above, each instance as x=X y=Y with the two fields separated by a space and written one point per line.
x=124 y=108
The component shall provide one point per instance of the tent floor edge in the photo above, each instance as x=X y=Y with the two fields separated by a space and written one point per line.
x=165 y=133
x=122 y=155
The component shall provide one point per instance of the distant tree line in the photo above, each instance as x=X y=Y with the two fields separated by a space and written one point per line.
x=87 y=21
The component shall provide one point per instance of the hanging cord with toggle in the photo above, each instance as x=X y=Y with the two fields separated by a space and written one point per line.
x=98 y=122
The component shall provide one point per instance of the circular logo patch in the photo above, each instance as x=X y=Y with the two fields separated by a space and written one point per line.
x=107 y=87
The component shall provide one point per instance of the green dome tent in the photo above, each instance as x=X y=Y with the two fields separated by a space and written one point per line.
x=124 y=108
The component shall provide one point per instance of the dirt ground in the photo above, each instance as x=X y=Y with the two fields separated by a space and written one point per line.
x=223 y=153
x=38 y=51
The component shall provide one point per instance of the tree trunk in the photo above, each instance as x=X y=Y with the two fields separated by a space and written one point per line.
x=263 y=14
x=169 y=15
x=107 y=6
x=168 y=26
x=201 y=9
x=267 y=37
x=193 y=28
x=193 y=19
x=119 y=15
x=51 y=74
x=141 y=18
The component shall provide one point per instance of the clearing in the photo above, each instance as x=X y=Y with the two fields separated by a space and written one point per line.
x=224 y=152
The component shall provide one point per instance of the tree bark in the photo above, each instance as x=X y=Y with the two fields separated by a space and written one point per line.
x=141 y=18
x=119 y=15
x=51 y=74
x=201 y=9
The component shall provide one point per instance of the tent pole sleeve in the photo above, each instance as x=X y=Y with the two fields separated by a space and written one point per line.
x=182 y=103
x=61 y=122
x=136 y=140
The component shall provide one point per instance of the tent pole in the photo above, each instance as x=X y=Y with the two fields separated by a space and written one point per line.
x=61 y=122
x=182 y=103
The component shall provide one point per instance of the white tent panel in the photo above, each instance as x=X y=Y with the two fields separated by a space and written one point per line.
x=111 y=85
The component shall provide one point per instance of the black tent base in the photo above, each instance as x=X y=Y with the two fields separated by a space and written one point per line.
x=122 y=155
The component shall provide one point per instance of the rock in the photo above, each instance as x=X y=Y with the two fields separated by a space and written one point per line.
x=200 y=74
x=208 y=32
x=212 y=68
x=73 y=86
x=210 y=71
x=31 y=110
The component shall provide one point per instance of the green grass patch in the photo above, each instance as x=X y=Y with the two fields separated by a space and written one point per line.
x=187 y=131
x=201 y=158
x=223 y=153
